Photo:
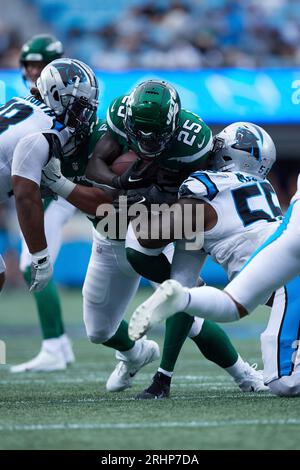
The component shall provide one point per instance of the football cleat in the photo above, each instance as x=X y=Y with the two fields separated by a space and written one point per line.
x=160 y=388
x=45 y=361
x=253 y=380
x=170 y=297
x=123 y=375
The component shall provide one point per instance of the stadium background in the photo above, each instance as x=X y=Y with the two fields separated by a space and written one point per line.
x=230 y=60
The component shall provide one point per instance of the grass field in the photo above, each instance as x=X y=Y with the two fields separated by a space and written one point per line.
x=72 y=410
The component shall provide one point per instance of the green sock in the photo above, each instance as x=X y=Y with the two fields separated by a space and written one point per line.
x=158 y=269
x=154 y=268
x=177 y=329
x=49 y=309
x=120 y=341
x=212 y=341
x=215 y=345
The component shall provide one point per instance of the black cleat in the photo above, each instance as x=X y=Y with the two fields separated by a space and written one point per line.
x=160 y=388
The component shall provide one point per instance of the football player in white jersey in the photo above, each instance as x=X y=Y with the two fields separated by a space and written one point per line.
x=56 y=351
x=259 y=278
x=240 y=211
x=65 y=98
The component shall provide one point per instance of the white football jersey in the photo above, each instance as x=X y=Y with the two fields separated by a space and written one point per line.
x=248 y=212
x=19 y=118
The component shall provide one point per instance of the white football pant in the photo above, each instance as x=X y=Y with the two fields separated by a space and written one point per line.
x=274 y=265
x=109 y=287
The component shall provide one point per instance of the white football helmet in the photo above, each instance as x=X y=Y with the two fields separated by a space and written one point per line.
x=70 y=88
x=243 y=146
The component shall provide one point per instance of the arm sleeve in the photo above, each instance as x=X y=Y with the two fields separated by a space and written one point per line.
x=30 y=156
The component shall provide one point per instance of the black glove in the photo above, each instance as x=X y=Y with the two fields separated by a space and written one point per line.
x=147 y=197
x=170 y=180
x=139 y=175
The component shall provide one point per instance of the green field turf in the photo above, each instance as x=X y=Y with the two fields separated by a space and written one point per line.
x=72 y=410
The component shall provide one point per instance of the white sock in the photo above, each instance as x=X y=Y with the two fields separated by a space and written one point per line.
x=133 y=353
x=52 y=345
x=165 y=372
x=237 y=371
x=212 y=304
x=64 y=340
x=196 y=327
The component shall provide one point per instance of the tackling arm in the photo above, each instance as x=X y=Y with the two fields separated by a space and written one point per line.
x=85 y=198
x=88 y=199
x=106 y=151
x=30 y=212
x=29 y=157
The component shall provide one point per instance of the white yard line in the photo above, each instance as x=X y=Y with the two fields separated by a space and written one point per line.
x=174 y=424
x=31 y=378
x=113 y=398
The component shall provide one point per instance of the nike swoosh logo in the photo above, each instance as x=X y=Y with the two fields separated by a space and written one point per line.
x=133 y=180
x=132 y=374
x=142 y=200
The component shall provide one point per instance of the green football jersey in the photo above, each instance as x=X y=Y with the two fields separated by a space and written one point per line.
x=76 y=156
x=189 y=148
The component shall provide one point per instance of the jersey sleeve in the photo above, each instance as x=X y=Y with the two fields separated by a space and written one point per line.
x=30 y=156
x=100 y=128
x=198 y=186
x=115 y=118
x=202 y=147
x=192 y=145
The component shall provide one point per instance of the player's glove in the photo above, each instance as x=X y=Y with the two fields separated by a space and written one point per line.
x=148 y=196
x=54 y=179
x=41 y=270
x=138 y=175
x=46 y=192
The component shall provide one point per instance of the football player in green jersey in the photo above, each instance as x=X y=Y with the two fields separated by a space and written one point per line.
x=166 y=156
x=170 y=142
x=36 y=53
x=176 y=142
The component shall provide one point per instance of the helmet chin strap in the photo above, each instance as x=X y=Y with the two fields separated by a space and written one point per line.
x=149 y=155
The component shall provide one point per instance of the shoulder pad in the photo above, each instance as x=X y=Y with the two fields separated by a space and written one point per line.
x=55 y=147
x=199 y=185
x=115 y=116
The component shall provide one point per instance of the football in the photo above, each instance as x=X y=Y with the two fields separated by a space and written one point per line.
x=122 y=163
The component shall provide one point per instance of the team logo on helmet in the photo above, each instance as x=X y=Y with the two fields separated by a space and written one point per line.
x=70 y=72
x=246 y=140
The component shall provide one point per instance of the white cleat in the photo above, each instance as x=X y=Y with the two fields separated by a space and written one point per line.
x=67 y=349
x=253 y=380
x=123 y=375
x=169 y=298
x=45 y=361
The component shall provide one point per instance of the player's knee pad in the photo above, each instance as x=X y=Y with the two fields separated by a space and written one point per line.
x=98 y=324
x=99 y=334
x=99 y=338
x=287 y=386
